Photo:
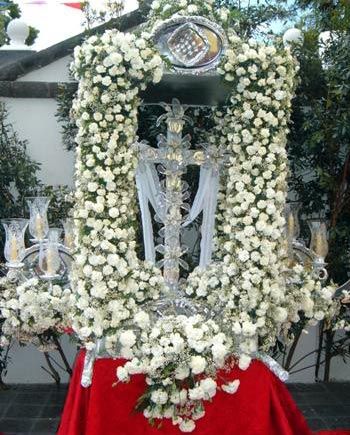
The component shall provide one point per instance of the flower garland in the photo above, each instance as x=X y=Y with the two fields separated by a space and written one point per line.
x=110 y=281
x=250 y=248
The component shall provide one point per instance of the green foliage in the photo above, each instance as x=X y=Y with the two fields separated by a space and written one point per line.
x=64 y=105
x=326 y=14
x=112 y=9
x=18 y=173
x=60 y=205
x=254 y=17
x=319 y=145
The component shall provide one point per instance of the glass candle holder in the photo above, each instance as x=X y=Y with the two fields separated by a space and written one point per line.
x=68 y=226
x=292 y=220
x=38 y=224
x=319 y=240
x=49 y=257
x=14 y=246
x=175 y=125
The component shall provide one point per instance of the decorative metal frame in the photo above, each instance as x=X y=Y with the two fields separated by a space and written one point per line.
x=301 y=252
x=161 y=38
x=28 y=270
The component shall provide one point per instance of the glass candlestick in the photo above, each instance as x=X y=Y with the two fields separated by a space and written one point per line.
x=38 y=224
x=14 y=246
x=292 y=220
x=49 y=257
x=68 y=226
x=319 y=241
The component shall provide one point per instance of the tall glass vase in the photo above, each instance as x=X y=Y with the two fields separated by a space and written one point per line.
x=38 y=224
x=14 y=246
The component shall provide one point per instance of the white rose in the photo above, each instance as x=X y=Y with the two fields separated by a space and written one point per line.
x=196 y=393
x=106 y=81
x=279 y=95
x=155 y=5
x=182 y=372
x=122 y=374
x=243 y=255
x=231 y=387
x=209 y=387
x=113 y=212
x=187 y=426
x=192 y=9
x=319 y=315
x=244 y=362
x=142 y=319
x=127 y=338
x=219 y=352
x=281 y=314
x=159 y=397
x=197 y=364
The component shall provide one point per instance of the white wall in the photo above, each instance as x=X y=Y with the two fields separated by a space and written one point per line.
x=34 y=120
x=54 y=72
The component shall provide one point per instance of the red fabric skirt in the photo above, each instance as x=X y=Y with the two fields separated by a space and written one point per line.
x=261 y=406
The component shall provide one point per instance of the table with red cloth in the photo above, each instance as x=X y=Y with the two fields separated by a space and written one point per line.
x=261 y=406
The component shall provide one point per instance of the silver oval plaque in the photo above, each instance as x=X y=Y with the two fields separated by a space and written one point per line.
x=192 y=44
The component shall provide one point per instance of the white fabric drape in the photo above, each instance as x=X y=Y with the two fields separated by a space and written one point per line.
x=150 y=192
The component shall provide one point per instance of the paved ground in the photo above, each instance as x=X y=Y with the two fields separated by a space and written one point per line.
x=35 y=409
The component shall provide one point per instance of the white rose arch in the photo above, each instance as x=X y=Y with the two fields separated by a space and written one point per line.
x=242 y=283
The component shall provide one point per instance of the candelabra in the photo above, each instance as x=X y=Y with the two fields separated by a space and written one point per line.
x=313 y=256
x=47 y=258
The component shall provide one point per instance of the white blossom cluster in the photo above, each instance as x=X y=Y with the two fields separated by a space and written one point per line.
x=307 y=296
x=108 y=278
x=110 y=8
x=164 y=9
x=180 y=356
x=31 y=309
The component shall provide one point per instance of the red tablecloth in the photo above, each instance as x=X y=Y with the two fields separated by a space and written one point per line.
x=261 y=406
